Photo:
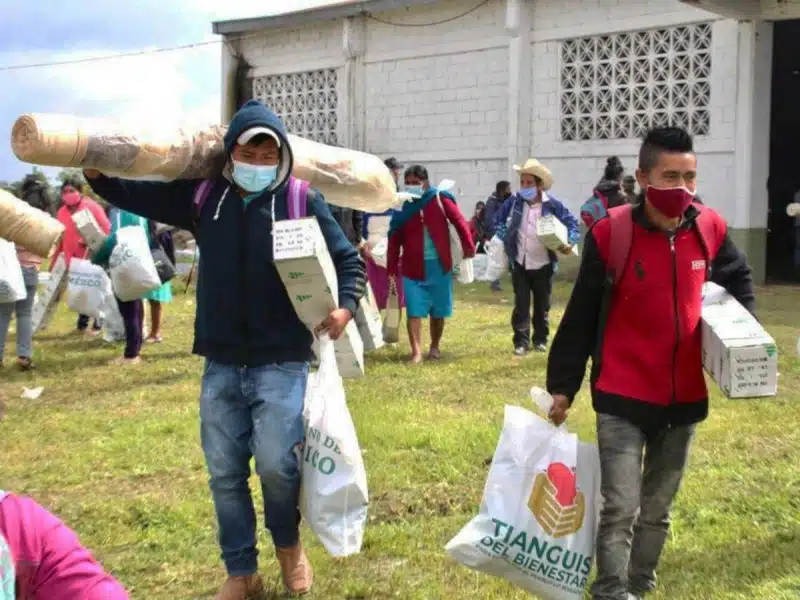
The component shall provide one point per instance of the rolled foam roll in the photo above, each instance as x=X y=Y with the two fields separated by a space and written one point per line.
x=29 y=227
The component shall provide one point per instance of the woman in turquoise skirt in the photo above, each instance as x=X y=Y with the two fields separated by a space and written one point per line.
x=163 y=295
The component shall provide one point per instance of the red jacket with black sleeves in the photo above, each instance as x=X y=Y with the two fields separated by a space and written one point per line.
x=409 y=240
x=644 y=333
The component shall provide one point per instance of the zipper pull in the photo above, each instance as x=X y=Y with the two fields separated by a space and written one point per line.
x=672 y=243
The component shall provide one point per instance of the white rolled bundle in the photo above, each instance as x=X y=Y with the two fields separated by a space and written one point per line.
x=31 y=228
x=347 y=178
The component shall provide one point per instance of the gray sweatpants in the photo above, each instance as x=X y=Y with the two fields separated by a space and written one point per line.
x=640 y=477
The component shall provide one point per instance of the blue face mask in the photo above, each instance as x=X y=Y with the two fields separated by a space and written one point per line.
x=416 y=190
x=528 y=194
x=253 y=178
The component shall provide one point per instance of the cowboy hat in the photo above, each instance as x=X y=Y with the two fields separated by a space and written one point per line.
x=537 y=169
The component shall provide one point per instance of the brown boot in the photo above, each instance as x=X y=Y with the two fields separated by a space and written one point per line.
x=247 y=587
x=295 y=568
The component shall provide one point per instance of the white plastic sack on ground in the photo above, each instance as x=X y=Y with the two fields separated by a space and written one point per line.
x=496 y=259
x=133 y=272
x=12 y=285
x=539 y=512
x=88 y=288
x=466 y=273
x=113 y=325
x=333 y=495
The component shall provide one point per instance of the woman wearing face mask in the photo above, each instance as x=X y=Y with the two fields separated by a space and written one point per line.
x=72 y=244
x=532 y=264
x=421 y=231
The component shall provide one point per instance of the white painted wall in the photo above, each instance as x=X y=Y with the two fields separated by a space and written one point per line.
x=440 y=95
x=578 y=165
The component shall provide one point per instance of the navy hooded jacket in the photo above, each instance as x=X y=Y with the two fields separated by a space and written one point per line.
x=244 y=314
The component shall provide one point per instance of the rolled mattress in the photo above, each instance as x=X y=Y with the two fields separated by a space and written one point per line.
x=29 y=227
x=347 y=178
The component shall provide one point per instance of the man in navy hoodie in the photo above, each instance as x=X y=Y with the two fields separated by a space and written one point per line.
x=256 y=348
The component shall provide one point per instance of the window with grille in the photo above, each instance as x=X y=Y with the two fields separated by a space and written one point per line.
x=618 y=86
x=306 y=102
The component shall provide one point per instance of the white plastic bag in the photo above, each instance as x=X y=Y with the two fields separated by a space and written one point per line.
x=392 y=317
x=133 y=272
x=12 y=285
x=333 y=495
x=88 y=288
x=496 y=259
x=539 y=512
x=479 y=264
x=466 y=274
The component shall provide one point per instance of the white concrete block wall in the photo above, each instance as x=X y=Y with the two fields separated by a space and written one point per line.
x=577 y=165
x=290 y=50
x=438 y=95
x=443 y=105
x=487 y=21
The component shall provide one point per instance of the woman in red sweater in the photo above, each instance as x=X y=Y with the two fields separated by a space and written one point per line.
x=72 y=244
x=420 y=231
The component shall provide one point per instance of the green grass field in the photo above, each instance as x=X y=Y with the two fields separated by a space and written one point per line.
x=115 y=452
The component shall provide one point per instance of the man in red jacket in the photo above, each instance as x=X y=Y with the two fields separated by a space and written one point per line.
x=641 y=326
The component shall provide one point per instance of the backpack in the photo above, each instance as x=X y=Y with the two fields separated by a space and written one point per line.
x=594 y=209
x=621 y=239
x=297 y=198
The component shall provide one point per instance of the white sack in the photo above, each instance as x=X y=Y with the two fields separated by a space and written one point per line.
x=133 y=272
x=12 y=284
x=333 y=495
x=539 y=513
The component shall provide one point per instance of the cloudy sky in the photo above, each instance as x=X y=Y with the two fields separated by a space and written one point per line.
x=172 y=86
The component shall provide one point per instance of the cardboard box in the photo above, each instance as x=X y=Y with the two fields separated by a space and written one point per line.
x=738 y=353
x=553 y=234
x=306 y=269
x=46 y=302
x=90 y=231
x=369 y=322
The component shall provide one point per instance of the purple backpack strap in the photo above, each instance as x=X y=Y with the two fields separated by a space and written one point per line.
x=201 y=195
x=298 y=198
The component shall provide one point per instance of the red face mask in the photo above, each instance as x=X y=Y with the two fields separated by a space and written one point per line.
x=71 y=198
x=670 y=202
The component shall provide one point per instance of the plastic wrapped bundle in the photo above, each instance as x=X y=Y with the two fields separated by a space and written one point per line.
x=31 y=228
x=348 y=178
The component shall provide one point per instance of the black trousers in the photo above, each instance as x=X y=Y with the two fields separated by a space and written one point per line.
x=538 y=283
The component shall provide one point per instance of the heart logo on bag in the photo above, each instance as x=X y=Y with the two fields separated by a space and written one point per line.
x=556 y=502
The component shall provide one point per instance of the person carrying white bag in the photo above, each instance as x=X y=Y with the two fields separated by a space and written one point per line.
x=333 y=493
x=539 y=511
x=133 y=274
x=27 y=265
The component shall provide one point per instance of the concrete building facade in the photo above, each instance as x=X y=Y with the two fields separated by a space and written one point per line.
x=471 y=87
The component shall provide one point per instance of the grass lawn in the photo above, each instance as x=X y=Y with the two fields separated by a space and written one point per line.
x=115 y=453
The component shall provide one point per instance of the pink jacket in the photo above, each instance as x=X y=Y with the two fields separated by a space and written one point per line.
x=49 y=561
x=72 y=244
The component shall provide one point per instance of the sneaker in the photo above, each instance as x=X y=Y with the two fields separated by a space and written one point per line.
x=247 y=587
x=296 y=570
x=521 y=351
x=540 y=347
x=495 y=287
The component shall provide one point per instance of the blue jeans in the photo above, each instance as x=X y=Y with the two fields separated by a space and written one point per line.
x=253 y=413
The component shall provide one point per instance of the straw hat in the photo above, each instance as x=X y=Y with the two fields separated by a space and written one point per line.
x=534 y=167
